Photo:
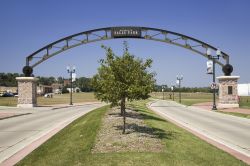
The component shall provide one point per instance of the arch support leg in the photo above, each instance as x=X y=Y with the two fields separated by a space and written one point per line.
x=228 y=92
x=27 y=90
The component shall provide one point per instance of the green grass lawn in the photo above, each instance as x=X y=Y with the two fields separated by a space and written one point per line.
x=65 y=98
x=57 y=99
x=186 y=98
x=245 y=102
x=8 y=101
x=72 y=146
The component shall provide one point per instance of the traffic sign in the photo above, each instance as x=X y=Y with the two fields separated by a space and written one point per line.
x=214 y=86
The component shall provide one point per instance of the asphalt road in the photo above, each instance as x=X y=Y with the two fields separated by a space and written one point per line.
x=231 y=131
x=18 y=132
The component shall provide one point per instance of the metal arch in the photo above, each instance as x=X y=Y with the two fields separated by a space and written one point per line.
x=147 y=33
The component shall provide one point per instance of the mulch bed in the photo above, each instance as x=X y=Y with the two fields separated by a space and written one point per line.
x=138 y=137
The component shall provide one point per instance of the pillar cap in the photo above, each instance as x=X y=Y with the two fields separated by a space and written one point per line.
x=227 y=77
x=26 y=78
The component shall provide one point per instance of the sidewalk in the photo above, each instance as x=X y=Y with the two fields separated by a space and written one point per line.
x=208 y=106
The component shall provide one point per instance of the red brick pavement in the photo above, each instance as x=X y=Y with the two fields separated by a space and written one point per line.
x=208 y=106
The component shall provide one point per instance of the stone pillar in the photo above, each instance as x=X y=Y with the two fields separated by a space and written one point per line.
x=228 y=92
x=27 y=92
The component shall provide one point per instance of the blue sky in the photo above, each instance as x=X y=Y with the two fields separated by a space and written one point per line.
x=29 y=25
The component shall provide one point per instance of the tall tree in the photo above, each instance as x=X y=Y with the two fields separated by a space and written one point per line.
x=60 y=80
x=46 y=80
x=84 y=84
x=122 y=79
x=8 y=79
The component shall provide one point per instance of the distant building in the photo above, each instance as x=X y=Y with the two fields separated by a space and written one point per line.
x=42 y=89
x=244 y=89
x=66 y=82
x=57 y=88
x=8 y=89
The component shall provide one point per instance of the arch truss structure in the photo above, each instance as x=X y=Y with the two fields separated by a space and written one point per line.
x=95 y=35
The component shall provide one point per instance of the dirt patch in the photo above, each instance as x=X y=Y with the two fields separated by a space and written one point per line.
x=138 y=138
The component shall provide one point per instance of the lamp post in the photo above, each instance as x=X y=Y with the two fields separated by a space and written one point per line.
x=162 y=89
x=71 y=70
x=172 y=89
x=178 y=81
x=218 y=54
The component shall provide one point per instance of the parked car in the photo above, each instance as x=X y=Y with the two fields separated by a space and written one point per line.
x=48 y=95
x=7 y=94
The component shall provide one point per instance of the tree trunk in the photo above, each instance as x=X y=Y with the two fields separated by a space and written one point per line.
x=123 y=111
x=122 y=106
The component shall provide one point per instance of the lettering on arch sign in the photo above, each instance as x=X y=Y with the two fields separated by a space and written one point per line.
x=126 y=32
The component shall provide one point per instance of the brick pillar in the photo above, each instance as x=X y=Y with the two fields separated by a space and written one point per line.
x=26 y=92
x=228 y=93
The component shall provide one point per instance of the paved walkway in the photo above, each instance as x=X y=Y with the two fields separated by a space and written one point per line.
x=227 y=132
x=208 y=106
x=21 y=135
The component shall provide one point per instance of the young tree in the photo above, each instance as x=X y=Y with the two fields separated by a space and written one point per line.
x=122 y=79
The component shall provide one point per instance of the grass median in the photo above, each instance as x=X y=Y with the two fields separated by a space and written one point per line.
x=245 y=102
x=73 y=145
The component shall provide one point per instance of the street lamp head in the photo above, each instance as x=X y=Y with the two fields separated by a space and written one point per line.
x=218 y=52
x=208 y=52
x=73 y=69
x=179 y=77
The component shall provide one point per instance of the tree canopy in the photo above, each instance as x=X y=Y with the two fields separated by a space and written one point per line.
x=9 y=79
